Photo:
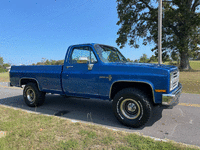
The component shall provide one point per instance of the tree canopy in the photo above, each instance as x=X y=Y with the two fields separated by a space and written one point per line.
x=45 y=61
x=3 y=65
x=144 y=59
x=138 y=19
x=1 y=61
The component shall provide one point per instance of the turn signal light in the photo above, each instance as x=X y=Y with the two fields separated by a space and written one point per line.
x=160 y=90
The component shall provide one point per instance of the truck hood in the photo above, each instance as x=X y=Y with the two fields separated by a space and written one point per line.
x=161 y=66
x=144 y=67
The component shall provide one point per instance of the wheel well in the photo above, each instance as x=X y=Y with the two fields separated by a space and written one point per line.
x=26 y=81
x=118 y=86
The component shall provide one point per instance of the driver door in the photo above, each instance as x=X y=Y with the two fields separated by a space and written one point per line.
x=78 y=80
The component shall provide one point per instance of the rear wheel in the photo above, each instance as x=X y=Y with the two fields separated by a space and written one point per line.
x=32 y=96
x=132 y=107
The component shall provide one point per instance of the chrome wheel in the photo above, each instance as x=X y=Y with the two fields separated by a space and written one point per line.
x=30 y=94
x=33 y=97
x=130 y=108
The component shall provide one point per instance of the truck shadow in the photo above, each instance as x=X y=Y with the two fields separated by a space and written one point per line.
x=87 y=110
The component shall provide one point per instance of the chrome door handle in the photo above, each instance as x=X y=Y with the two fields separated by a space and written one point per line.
x=69 y=67
x=104 y=77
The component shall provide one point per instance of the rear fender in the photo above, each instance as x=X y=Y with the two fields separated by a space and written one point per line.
x=25 y=80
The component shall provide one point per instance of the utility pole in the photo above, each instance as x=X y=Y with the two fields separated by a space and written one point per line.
x=160 y=32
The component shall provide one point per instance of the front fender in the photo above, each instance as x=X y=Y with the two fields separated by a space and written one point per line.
x=136 y=81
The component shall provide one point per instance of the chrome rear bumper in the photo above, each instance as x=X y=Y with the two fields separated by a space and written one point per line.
x=173 y=98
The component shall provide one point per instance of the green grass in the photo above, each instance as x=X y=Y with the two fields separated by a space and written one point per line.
x=34 y=131
x=4 y=77
x=191 y=79
x=190 y=82
x=108 y=140
x=195 y=65
x=70 y=144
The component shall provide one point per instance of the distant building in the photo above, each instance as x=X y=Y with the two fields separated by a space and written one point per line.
x=8 y=68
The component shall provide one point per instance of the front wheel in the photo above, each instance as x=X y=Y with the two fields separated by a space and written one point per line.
x=132 y=107
x=32 y=96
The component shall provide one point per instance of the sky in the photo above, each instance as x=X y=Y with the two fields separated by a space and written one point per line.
x=34 y=29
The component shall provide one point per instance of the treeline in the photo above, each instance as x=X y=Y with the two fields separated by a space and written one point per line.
x=145 y=59
x=2 y=69
x=49 y=62
x=3 y=65
x=167 y=58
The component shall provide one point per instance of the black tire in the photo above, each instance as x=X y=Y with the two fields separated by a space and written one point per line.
x=32 y=96
x=132 y=107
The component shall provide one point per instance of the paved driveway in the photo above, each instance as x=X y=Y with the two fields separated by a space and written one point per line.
x=181 y=124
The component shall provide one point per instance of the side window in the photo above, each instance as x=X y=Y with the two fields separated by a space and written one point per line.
x=82 y=55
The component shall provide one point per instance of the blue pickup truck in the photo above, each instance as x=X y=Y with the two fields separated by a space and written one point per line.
x=102 y=72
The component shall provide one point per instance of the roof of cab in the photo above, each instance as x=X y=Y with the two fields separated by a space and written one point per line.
x=89 y=44
x=83 y=44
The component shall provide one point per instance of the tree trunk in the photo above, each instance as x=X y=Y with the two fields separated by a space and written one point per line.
x=184 y=63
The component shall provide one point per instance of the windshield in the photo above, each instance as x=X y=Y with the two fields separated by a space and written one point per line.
x=109 y=54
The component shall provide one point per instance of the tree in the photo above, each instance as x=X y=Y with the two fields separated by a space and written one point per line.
x=128 y=59
x=59 y=62
x=136 y=61
x=1 y=61
x=143 y=59
x=198 y=57
x=6 y=65
x=153 y=59
x=2 y=69
x=45 y=61
x=181 y=22
x=165 y=56
x=174 y=56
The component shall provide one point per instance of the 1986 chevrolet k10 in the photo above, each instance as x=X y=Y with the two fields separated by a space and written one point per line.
x=102 y=72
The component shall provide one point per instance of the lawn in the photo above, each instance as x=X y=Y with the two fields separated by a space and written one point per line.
x=195 y=65
x=22 y=130
x=4 y=77
x=191 y=80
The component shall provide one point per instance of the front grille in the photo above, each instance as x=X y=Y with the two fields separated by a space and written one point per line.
x=174 y=79
x=175 y=74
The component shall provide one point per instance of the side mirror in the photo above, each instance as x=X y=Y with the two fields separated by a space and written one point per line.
x=90 y=66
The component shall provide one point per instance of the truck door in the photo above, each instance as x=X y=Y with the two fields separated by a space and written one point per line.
x=80 y=73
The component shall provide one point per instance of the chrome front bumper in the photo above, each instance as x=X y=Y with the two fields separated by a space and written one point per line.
x=173 y=98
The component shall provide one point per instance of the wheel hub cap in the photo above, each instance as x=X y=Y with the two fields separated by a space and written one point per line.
x=30 y=95
x=131 y=107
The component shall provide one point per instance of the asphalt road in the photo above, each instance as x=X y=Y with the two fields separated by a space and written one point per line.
x=181 y=124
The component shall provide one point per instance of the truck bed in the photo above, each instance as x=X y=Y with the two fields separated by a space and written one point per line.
x=48 y=77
